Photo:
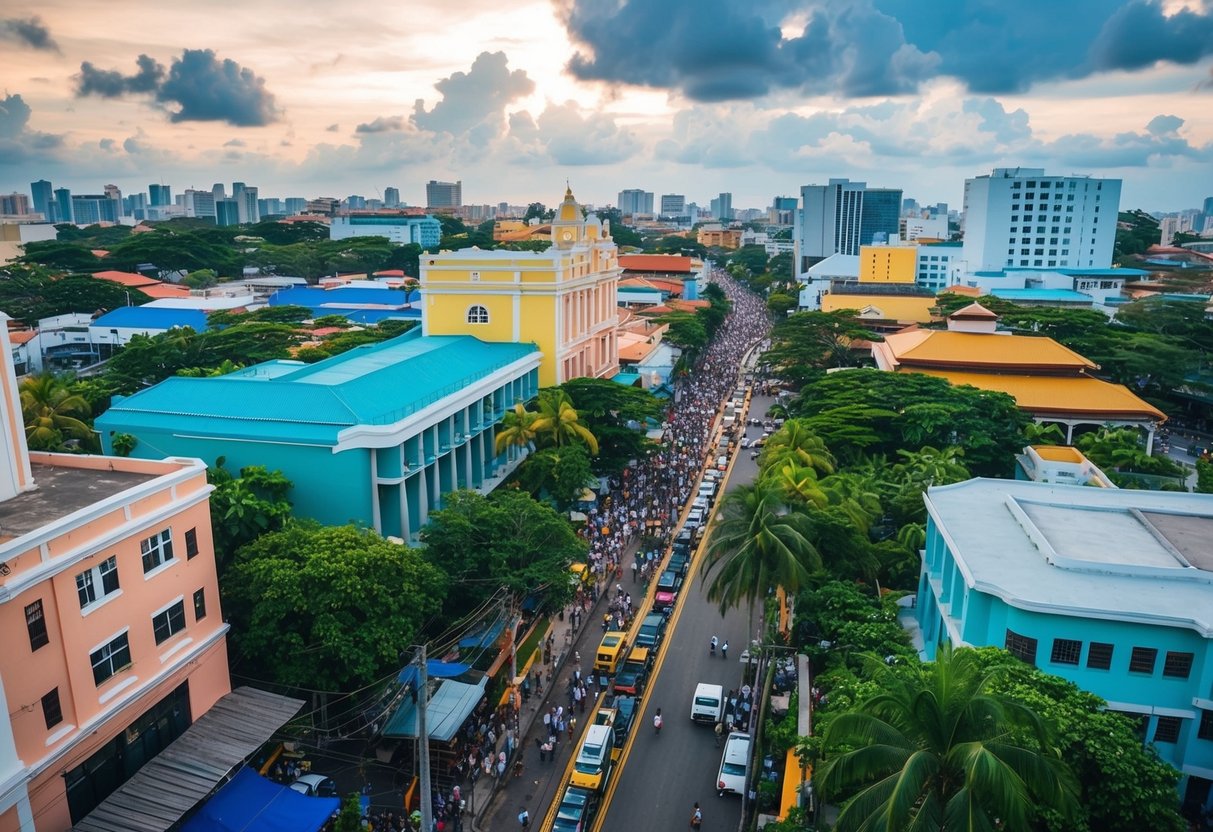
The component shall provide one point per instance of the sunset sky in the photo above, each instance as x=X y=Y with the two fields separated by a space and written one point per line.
x=305 y=98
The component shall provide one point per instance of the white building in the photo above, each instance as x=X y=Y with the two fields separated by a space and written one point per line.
x=399 y=228
x=771 y=246
x=673 y=205
x=930 y=228
x=1168 y=227
x=840 y=217
x=635 y=201
x=1022 y=217
x=816 y=281
x=940 y=265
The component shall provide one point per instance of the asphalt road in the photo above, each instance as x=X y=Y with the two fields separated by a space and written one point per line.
x=663 y=775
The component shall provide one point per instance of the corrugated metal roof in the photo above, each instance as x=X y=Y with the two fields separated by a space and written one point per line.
x=188 y=770
x=315 y=298
x=152 y=317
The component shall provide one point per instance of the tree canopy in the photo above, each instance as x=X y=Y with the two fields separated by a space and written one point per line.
x=607 y=408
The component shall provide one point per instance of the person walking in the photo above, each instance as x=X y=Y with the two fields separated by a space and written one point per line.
x=712 y=646
x=724 y=649
x=719 y=733
x=524 y=818
x=657 y=722
x=696 y=816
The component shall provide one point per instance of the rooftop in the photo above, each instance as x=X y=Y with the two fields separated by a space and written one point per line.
x=285 y=401
x=660 y=263
x=152 y=317
x=1092 y=552
x=1043 y=295
x=1059 y=395
x=935 y=348
x=61 y=490
x=126 y=278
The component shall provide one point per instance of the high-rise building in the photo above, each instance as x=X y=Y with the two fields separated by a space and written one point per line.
x=89 y=209
x=1021 y=217
x=15 y=204
x=136 y=206
x=722 y=207
x=400 y=229
x=44 y=199
x=635 y=201
x=199 y=203
x=246 y=202
x=391 y=197
x=63 y=205
x=673 y=205
x=1168 y=227
x=218 y=191
x=159 y=195
x=355 y=202
x=840 y=217
x=443 y=194
x=271 y=206
x=295 y=205
x=227 y=212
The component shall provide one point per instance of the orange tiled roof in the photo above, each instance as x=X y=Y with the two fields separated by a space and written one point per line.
x=126 y=278
x=673 y=263
x=22 y=336
x=164 y=290
x=1060 y=395
x=973 y=312
x=636 y=352
x=969 y=350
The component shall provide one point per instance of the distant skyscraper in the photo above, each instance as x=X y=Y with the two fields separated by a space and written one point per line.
x=159 y=195
x=1020 y=217
x=17 y=204
x=226 y=212
x=44 y=199
x=295 y=205
x=722 y=207
x=503 y=209
x=218 y=191
x=355 y=202
x=199 y=203
x=250 y=210
x=635 y=201
x=89 y=209
x=63 y=205
x=271 y=206
x=444 y=194
x=391 y=197
x=136 y=206
x=673 y=205
x=840 y=217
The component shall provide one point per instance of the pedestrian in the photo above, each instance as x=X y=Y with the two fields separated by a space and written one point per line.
x=696 y=817
x=524 y=818
x=724 y=649
x=712 y=646
x=572 y=726
x=635 y=569
x=719 y=733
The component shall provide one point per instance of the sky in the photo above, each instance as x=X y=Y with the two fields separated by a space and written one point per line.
x=310 y=98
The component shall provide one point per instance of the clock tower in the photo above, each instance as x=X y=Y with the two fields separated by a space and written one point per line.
x=568 y=226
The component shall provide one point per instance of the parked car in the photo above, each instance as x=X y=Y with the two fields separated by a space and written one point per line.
x=652 y=630
x=722 y=462
x=695 y=519
x=733 y=764
x=577 y=809
x=315 y=785
x=680 y=561
x=635 y=671
x=667 y=590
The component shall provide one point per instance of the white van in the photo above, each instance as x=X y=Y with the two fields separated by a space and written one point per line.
x=708 y=704
x=733 y=764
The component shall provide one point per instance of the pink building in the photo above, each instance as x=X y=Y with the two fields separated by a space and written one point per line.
x=113 y=642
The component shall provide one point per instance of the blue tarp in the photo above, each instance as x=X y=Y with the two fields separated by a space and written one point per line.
x=435 y=669
x=483 y=637
x=251 y=803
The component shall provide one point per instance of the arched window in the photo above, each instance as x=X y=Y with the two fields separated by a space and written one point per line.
x=477 y=314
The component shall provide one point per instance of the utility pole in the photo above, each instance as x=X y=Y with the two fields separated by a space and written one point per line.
x=423 y=737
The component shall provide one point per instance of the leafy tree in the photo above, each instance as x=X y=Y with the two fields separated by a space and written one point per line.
x=92 y=236
x=407 y=258
x=517 y=428
x=1204 y=476
x=201 y=279
x=54 y=415
x=558 y=424
x=349 y=817
x=561 y=472
x=172 y=251
x=244 y=507
x=1037 y=433
x=937 y=749
x=797 y=483
x=61 y=256
x=796 y=442
x=781 y=265
x=30 y=293
x=685 y=331
x=616 y=416
x=534 y=211
x=328 y=608
x=752 y=258
x=805 y=343
x=756 y=546
x=1121 y=449
x=287 y=233
x=781 y=303
x=123 y=443
x=507 y=539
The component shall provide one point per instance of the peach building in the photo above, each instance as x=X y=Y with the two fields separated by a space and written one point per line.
x=113 y=640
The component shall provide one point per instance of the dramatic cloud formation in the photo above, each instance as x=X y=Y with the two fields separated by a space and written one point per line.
x=566 y=135
x=473 y=103
x=17 y=142
x=197 y=87
x=29 y=31
x=716 y=50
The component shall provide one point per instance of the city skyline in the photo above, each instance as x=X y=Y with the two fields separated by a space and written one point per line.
x=679 y=97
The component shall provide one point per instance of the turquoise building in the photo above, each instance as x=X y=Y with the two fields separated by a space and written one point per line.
x=1111 y=589
x=374 y=436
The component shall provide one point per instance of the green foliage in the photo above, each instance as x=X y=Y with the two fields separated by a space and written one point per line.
x=328 y=608
x=685 y=331
x=123 y=444
x=244 y=507
x=1204 y=476
x=558 y=424
x=349 y=818
x=1122 y=449
x=507 y=539
x=805 y=343
x=1142 y=232
x=560 y=472
x=56 y=417
x=30 y=293
x=781 y=303
x=201 y=279
x=781 y=266
x=176 y=250
x=287 y=233
x=61 y=256
x=752 y=258
x=606 y=409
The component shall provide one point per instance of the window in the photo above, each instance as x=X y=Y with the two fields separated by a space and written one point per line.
x=1066 y=651
x=168 y=623
x=199 y=604
x=157 y=550
x=1142 y=660
x=35 y=623
x=1177 y=665
x=1205 y=729
x=52 y=711
x=1167 y=729
x=477 y=314
x=1021 y=647
x=99 y=582
x=111 y=658
x=191 y=543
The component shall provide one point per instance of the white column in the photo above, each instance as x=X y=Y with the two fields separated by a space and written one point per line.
x=376 y=517
x=1069 y=433
x=1150 y=439
x=405 y=529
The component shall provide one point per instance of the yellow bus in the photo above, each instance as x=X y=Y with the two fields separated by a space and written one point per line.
x=610 y=651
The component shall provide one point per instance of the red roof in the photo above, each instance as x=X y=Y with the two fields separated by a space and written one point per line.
x=674 y=263
x=390 y=273
x=22 y=336
x=164 y=290
x=126 y=278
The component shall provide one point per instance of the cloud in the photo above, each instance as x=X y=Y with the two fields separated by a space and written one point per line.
x=333 y=128
x=473 y=103
x=1163 y=125
x=720 y=50
x=196 y=87
x=19 y=144
x=382 y=124
x=567 y=135
x=1160 y=144
x=29 y=31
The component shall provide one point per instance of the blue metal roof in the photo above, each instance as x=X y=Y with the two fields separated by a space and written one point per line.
x=313 y=297
x=1042 y=294
x=373 y=384
x=151 y=317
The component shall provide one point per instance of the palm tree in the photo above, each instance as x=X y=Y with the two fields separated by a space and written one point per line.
x=517 y=429
x=53 y=414
x=1038 y=433
x=795 y=442
x=932 y=466
x=797 y=483
x=936 y=750
x=857 y=497
x=557 y=421
x=758 y=544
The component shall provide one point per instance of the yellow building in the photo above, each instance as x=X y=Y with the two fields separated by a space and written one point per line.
x=720 y=237
x=909 y=309
x=562 y=299
x=887 y=264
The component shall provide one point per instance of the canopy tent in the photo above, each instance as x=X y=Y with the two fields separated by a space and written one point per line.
x=448 y=707
x=251 y=803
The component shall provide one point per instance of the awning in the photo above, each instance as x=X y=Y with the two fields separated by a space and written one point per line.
x=251 y=803
x=182 y=775
x=434 y=669
x=446 y=710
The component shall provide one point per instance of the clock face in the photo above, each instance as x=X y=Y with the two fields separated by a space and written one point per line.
x=567 y=235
